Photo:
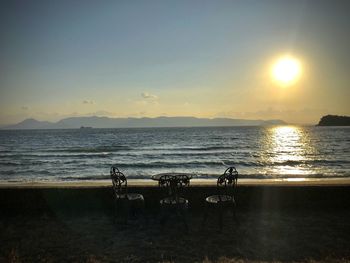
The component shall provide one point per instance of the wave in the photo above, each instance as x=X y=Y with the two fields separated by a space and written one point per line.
x=24 y=157
x=201 y=163
x=167 y=164
x=178 y=157
x=149 y=161
x=85 y=178
x=190 y=148
x=96 y=149
x=124 y=148
x=286 y=176
x=97 y=178
x=208 y=176
x=307 y=162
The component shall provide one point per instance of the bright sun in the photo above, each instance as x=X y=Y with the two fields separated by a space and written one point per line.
x=286 y=70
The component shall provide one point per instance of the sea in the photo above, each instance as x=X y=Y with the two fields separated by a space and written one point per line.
x=276 y=152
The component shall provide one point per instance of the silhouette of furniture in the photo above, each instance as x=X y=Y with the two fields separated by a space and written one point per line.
x=125 y=203
x=224 y=199
x=173 y=202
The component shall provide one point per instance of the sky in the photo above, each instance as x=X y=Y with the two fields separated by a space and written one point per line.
x=172 y=58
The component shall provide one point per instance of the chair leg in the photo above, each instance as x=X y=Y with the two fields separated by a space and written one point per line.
x=123 y=211
x=183 y=214
x=115 y=213
x=135 y=209
x=220 y=218
x=144 y=213
x=205 y=216
x=164 y=216
x=234 y=214
x=131 y=211
x=126 y=212
x=120 y=212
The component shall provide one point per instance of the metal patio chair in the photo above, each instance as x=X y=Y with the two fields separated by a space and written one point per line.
x=173 y=202
x=124 y=202
x=224 y=199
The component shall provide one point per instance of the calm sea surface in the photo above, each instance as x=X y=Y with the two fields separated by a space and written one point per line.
x=257 y=152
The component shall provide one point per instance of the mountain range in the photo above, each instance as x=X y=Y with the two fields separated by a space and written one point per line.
x=106 y=122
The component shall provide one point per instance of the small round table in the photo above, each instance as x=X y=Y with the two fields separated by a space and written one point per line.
x=156 y=177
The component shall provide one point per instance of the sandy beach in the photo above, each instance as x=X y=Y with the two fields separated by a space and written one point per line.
x=277 y=221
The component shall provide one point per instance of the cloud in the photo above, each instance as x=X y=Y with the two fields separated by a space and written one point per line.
x=147 y=95
x=101 y=113
x=24 y=108
x=91 y=102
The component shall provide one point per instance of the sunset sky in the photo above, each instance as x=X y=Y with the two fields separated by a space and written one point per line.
x=172 y=58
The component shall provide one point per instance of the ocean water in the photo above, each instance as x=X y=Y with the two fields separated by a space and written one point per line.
x=256 y=152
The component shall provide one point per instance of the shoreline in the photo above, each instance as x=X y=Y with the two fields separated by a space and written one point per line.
x=194 y=182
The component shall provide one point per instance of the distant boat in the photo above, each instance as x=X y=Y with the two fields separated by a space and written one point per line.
x=83 y=127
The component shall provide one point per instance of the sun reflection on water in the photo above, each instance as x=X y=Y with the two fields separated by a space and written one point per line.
x=289 y=147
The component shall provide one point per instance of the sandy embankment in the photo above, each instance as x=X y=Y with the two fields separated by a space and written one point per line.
x=98 y=195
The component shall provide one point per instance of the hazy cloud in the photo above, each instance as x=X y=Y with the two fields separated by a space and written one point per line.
x=147 y=95
x=91 y=102
x=101 y=113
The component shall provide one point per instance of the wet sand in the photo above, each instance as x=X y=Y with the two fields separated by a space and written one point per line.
x=287 y=221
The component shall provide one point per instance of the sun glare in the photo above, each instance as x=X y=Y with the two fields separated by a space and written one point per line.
x=286 y=70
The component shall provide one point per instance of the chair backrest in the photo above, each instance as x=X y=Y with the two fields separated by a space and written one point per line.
x=182 y=181
x=173 y=185
x=227 y=182
x=164 y=181
x=119 y=181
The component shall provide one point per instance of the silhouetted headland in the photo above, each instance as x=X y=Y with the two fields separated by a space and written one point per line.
x=106 y=122
x=334 y=120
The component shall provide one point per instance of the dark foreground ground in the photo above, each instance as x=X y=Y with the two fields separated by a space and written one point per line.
x=274 y=224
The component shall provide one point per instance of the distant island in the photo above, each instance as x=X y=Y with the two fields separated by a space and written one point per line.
x=334 y=120
x=106 y=122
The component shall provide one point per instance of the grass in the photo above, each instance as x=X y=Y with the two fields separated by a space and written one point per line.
x=274 y=236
